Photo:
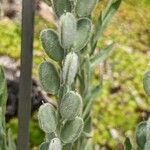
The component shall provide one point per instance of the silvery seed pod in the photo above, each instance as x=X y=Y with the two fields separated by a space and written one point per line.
x=67 y=30
x=47 y=118
x=61 y=6
x=85 y=7
x=50 y=43
x=55 y=144
x=141 y=134
x=84 y=28
x=70 y=68
x=71 y=105
x=49 y=78
x=72 y=130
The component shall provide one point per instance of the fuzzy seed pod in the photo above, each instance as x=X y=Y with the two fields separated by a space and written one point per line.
x=61 y=6
x=141 y=134
x=71 y=105
x=47 y=118
x=70 y=68
x=67 y=31
x=72 y=130
x=50 y=43
x=85 y=7
x=146 y=82
x=84 y=27
x=55 y=144
x=49 y=77
x=44 y=146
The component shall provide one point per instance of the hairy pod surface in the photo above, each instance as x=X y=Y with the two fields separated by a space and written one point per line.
x=146 y=82
x=141 y=134
x=44 y=146
x=85 y=7
x=84 y=27
x=49 y=78
x=71 y=105
x=72 y=130
x=70 y=68
x=47 y=118
x=148 y=131
x=61 y=6
x=51 y=45
x=55 y=144
x=68 y=29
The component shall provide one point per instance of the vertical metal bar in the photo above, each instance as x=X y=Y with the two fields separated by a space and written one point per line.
x=24 y=109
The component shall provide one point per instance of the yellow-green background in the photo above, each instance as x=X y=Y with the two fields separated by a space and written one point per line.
x=122 y=102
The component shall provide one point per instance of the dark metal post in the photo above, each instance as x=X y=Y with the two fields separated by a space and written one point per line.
x=24 y=110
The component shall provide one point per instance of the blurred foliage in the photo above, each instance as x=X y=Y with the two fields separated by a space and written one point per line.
x=122 y=102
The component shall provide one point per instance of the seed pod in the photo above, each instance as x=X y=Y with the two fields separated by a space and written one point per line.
x=47 y=118
x=72 y=130
x=55 y=144
x=71 y=105
x=49 y=77
x=70 y=68
x=44 y=146
x=67 y=31
x=50 y=43
x=85 y=7
x=84 y=27
x=148 y=130
x=146 y=82
x=61 y=6
x=141 y=134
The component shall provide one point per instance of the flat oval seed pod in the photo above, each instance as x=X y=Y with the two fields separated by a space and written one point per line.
x=61 y=6
x=49 y=78
x=51 y=45
x=55 y=144
x=72 y=130
x=44 y=146
x=146 y=82
x=67 y=31
x=70 y=68
x=85 y=7
x=141 y=134
x=71 y=105
x=47 y=118
x=84 y=28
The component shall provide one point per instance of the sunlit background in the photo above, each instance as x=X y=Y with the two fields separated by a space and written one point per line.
x=122 y=102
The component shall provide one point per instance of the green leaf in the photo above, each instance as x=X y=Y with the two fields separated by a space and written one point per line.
x=47 y=118
x=85 y=7
x=141 y=134
x=84 y=28
x=50 y=43
x=67 y=30
x=104 y=18
x=91 y=97
x=146 y=82
x=3 y=90
x=127 y=144
x=72 y=130
x=71 y=105
x=11 y=143
x=61 y=6
x=101 y=56
x=49 y=78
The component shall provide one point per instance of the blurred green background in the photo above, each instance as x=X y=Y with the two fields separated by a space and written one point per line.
x=122 y=102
